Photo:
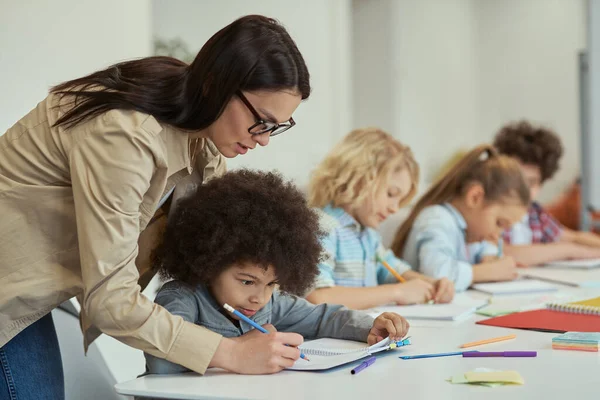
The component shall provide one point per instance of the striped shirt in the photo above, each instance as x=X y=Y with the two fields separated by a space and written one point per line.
x=350 y=249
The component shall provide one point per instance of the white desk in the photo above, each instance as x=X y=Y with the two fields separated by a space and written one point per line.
x=572 y=277
x=553 y=374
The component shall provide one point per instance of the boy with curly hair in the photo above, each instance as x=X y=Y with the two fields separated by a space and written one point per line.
x=539 y=238
x=248 y=239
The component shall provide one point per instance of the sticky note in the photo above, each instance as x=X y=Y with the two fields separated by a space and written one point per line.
x=512 y=377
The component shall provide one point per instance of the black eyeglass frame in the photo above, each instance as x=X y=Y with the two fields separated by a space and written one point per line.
x=273 y=127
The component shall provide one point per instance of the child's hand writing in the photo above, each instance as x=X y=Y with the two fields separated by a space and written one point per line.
x=444 y=290
x=415 y=291
x=390 y=325
x=260 y=353
x=502 y=269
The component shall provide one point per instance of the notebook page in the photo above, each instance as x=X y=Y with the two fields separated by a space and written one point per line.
x=327 y=353
x=332 y=347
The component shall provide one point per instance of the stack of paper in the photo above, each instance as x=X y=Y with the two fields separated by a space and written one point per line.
x=515 y=287
x=488 y=377
x=459 y=309
x=578 y=264
x=582 y=341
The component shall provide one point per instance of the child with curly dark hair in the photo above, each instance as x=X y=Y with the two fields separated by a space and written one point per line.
x=248 y=239
x=539 y=238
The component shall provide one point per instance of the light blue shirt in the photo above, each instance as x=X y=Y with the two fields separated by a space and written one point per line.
x=349 y=253
x=436 y=246
x=520 y=233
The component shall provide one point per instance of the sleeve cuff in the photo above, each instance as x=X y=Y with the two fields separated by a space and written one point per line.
x=464 y=277
x=194 y=347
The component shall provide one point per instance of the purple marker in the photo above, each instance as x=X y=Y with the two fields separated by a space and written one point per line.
x=363 y=365
x=501 y=354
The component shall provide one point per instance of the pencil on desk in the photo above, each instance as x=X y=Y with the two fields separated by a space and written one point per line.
x=390 y=269
x=493 y=340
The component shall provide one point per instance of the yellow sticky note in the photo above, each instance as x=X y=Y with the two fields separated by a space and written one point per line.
x=496 y=376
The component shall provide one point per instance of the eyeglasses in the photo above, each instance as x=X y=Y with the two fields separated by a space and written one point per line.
x=261 y=126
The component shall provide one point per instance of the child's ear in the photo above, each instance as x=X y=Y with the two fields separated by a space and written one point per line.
x=475 y=196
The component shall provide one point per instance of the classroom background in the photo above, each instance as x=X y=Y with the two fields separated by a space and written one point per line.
x=440 y=75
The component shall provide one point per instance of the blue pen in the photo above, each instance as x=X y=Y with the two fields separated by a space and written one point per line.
x=456 y=353
x=254 y=324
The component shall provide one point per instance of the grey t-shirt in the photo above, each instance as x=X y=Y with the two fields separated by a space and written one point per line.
x=287 y=313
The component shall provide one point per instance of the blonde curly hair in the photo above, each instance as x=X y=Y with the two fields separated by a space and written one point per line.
x=357 y=167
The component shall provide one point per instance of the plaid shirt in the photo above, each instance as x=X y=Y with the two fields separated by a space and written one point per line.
x=537 y=227
x=349 y=253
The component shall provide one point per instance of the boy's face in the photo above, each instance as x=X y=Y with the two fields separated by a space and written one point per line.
x=533 y=178
x=386 y=200
x=246 y=287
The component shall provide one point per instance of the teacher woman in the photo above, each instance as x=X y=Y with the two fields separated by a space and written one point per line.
x=86 y=182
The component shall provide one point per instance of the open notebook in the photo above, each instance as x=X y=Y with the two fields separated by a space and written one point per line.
x=576 y=264
x=328 y=353
x=515 y=287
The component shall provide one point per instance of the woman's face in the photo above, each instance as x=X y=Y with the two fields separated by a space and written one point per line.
x=230 y=133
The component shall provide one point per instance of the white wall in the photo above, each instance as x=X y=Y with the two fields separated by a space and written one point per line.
x=528 y=52
x=44 y=43
x=416 y=75
x=321 y=30
x=373 y=60
x=444 y=75
x=436 y=79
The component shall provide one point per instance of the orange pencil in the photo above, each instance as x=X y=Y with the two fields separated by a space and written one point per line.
x=392 y=270
x=493 y=340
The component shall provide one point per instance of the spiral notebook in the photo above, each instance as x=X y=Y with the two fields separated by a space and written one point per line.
x=329 y=353
x=589 y=307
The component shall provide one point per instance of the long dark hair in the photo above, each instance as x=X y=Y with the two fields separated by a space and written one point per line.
x=252 y=53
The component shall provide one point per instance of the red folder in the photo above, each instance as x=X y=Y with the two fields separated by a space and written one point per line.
x=547 y=320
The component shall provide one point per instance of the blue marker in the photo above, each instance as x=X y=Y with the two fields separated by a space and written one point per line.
x=500 y=247
x=254 y=324
x=456 y=353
